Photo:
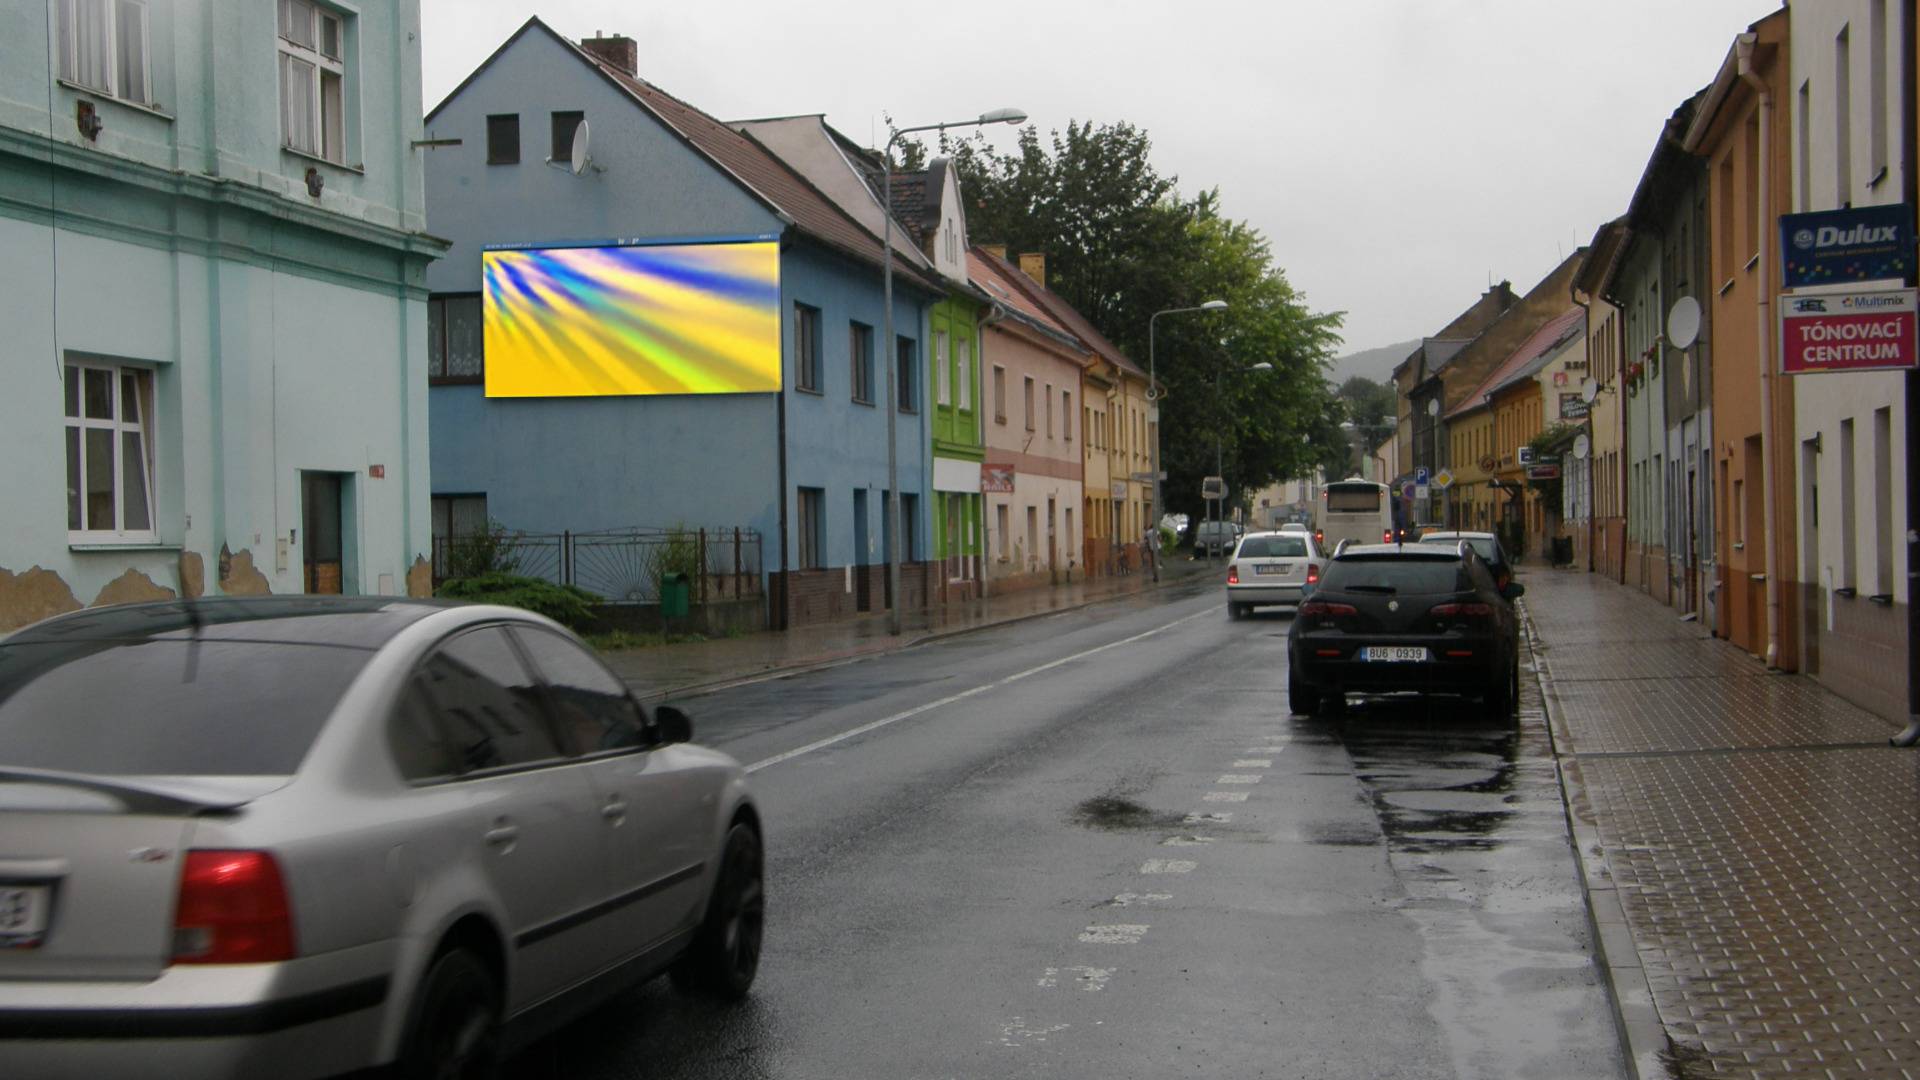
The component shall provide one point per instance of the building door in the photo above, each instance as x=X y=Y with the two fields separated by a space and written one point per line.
x=956 y=532
x=862 y=553
x=1053 y=544
x=320 y=530
x=1691 y=567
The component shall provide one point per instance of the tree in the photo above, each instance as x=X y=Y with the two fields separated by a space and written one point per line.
x=1121 y=243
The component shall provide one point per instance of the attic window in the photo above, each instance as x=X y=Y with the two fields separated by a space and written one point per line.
x=503 y=139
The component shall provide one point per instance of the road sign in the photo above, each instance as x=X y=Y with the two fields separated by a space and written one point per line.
x=1421 y=493
x=1443 y=479
x=1420 y=476
x=1213 y=487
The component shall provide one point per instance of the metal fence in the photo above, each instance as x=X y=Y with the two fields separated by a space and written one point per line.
x=621 y=566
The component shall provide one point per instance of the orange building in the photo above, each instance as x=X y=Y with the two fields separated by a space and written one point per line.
x=1742 y=129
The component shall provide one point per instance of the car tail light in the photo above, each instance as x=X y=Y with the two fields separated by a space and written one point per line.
x=233 y=909
x=1386 y=536
x=1233 y=575
x=1463 y=611
x=1313 y=573
x=1319 y=538
x=1323 y=607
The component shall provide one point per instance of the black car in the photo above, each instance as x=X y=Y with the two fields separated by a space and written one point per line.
x=1485 y=544
x=1394 y=617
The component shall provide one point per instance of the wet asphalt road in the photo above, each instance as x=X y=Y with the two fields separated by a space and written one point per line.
x=1096 y=845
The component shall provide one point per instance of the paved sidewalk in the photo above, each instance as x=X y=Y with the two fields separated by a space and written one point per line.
x=667 y=670
x=1751 y=845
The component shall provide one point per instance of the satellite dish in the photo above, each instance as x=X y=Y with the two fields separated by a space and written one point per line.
x=1589 y=389
x=1683 y=323
x=1433 y=406
x=578 y=159
x=1581 y=444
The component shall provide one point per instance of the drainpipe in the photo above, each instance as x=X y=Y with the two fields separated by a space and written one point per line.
x=1586 y=307
x=1763 y=322
x=995 y=313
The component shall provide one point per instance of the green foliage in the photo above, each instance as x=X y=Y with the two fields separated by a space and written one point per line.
x=627 y=639
x=569 y=605
x=485 y=552
x=1553 y=440
x=680 y=554
x=1371 y=406
x=1168 y=540
x=1122 y=243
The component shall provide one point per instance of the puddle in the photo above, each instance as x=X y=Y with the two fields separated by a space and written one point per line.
x=1340 y=834
x=1115 y=813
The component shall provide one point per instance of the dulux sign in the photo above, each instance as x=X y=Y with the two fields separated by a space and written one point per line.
x=1832 y=247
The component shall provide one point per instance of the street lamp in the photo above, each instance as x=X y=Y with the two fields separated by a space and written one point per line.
x=996 y=116
x=1153 y=394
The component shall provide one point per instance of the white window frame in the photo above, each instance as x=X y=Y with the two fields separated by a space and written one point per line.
x=110 y=26
x=963 y=372
x=329 y=138
x=142 y=426
x=943 y=392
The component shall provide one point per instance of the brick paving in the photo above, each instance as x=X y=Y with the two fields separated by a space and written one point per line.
x=1762 y=839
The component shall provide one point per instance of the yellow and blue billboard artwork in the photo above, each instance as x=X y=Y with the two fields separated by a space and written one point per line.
x=614 y=321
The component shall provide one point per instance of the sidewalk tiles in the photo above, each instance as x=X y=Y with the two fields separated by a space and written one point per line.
x=1751 y=845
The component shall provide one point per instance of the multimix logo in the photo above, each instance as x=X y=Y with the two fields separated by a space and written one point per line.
x=1827 y=236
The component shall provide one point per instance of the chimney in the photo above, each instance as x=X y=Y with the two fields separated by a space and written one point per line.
x=998 y=251
x=1034 y=265
x=619 y=51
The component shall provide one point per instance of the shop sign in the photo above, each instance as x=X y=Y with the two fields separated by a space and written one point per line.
x=1864 y=331
x=1833 y=247
x=1572 y=407
x=996 y=479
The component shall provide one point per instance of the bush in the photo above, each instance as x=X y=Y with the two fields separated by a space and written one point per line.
x=568 y=605
x=485 y=552
x=680 y=554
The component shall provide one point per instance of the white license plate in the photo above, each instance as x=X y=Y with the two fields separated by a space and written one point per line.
x=1395 y=653
x=23 y=915
x=1272 y=568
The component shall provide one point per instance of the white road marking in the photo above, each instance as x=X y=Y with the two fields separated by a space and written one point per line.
x=876 y=725
x=1254 y=763
x=1206 y=819
x=1114 y=934
x=1091 y=979
x=1015 y=1032
x=1186 y=841
x=1167 y=866
x=1224 y=796
x=1128 y=899
x=1266 y=750
x=1239 y=778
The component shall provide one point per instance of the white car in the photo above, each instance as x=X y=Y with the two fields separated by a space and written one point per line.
x=1271 y=568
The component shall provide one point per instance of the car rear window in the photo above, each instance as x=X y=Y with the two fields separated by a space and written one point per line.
x=1272 y=547
x=170 y=706
x=1482 y=546
x=1398 y=574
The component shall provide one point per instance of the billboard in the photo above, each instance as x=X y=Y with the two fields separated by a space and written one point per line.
x=1847 y=332
x=1833 y=247
x=632 y=320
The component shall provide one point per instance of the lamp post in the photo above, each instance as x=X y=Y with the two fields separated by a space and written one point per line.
x=997 y=116
x=1219 y=468
x=1153 y=395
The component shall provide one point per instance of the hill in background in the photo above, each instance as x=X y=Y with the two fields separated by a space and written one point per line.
x=1376 y=364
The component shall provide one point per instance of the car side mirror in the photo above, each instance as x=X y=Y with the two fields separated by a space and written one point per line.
x=1514 y=590
x=673 y=724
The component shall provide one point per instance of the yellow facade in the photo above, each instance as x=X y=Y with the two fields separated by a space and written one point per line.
x=1471 y=501
x=1516 y=410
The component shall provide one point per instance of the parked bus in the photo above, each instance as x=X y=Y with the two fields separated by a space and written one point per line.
x=1357 y=510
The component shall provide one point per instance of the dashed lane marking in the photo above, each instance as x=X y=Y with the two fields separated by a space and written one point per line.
x=1129 y=899
x=1224 y=796
x=1254 y=763
x=1186 y=841
x=1239 y=778
x=1091 y=979
x=1168 y=866
x=1114 y=934
x=1206 y=819
x=821 y=744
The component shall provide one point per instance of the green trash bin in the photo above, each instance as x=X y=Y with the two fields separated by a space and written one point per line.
x=673 y=596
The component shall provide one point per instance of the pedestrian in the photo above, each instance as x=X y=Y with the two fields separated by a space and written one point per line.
x=1149 y=543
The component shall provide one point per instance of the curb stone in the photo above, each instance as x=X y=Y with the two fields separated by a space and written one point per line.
x=824 y=663
x=1643 y=1039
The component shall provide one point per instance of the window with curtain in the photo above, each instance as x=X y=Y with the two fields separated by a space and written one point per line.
x=109 y=451
x=103 y=46
x=313 y=71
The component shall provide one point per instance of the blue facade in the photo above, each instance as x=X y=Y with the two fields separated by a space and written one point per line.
x=547 y=465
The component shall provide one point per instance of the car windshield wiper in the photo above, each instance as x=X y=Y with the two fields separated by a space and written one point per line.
x=137 y=796
x=1372 y=588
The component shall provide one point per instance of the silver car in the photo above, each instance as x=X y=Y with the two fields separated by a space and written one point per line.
x=1270 y=568
x=303 y=836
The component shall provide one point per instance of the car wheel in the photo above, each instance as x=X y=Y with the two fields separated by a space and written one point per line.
x=1302 y=700
x=725 y=954
x=456 y=1025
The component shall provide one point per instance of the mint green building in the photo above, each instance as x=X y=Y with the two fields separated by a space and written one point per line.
x=214 y=372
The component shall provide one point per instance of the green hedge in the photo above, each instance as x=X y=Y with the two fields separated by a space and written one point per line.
x=569 y=605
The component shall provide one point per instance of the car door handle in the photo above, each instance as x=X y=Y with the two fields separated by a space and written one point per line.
x=615 y=810
x=503 y=835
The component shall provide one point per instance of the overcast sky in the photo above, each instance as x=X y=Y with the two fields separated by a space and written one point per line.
x=1397 y=153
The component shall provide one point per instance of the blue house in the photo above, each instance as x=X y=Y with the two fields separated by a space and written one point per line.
x=724 y=373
